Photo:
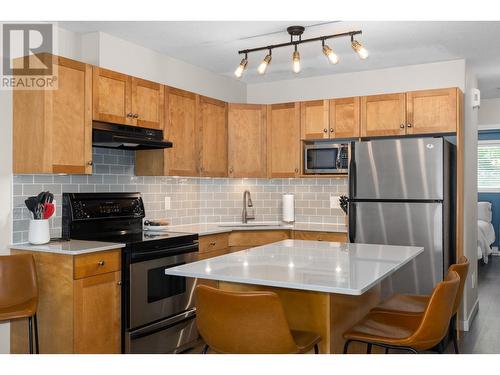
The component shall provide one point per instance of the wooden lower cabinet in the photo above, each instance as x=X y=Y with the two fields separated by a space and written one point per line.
x=245 y=239
x=79 y=309
x=319 y=236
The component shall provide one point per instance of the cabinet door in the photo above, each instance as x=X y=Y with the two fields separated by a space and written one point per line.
x=344 y=118
x=180 y=129
x=314 y=119
x=432 y=111
x=283 y=140
x=112 y=97
x=212 y=129
x=383 y=115
x=147 y=103
x=97 y=309
x=247 y=140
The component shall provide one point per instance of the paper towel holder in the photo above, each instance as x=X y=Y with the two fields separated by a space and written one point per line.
x=288 y=209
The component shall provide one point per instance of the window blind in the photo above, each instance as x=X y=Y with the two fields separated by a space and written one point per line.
x=488 y=166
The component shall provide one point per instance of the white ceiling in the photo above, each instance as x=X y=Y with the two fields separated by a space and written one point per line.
x=214 y=45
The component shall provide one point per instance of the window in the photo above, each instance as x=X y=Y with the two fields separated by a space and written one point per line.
x=488 y=166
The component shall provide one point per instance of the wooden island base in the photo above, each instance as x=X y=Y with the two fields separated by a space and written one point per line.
x=327 y=314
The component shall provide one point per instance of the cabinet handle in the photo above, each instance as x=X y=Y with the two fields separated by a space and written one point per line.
x=402 y=126
x=90 y=162
x=212 y=243
x=409 y=125
x=231 y=170
x=100 y=263
x=136 y=115
x=325 y=130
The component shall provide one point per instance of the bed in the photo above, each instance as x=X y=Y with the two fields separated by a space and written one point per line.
x=485 y=231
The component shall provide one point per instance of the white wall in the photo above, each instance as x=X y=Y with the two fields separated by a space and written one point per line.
x=399 y=79
x=489 y=113
x=470 y=301
x=122 y=56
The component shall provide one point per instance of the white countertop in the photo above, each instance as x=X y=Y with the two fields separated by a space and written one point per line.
x=214 y=228
x=330 y=267
x=72 y=247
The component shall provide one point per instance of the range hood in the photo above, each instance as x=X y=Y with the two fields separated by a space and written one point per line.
x=126 y=137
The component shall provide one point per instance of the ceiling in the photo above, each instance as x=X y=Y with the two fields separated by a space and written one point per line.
x=213 y=45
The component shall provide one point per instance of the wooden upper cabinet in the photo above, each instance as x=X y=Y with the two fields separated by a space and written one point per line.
x=383 y=115
x=432 y=111
x=180 y=129
x=212 y=130
x=283 y=140
x=344 y=118
x=247 y=140
x=112 y=97
x=147 y=103
x=314 y=119
x=52 y=130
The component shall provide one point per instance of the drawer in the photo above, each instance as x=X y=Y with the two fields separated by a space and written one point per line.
x=251 y=238
x=213 y=242
x=320 y=236
x=91 y=264
x=211 y=254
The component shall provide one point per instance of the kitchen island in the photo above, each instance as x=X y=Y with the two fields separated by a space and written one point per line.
x=325 y=287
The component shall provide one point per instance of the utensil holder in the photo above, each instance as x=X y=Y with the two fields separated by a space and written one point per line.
x=39 y=232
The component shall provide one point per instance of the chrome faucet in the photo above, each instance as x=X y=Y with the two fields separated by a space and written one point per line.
x=248 y=211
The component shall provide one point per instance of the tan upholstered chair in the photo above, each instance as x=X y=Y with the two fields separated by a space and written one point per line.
x=247 y=323
x=409 y=332
x=19 y=292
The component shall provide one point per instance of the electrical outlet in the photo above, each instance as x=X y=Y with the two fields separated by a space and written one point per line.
x=334 y=201
x=167 y=203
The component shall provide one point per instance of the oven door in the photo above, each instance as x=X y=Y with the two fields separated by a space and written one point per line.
x=154 y=295
x=324 y=158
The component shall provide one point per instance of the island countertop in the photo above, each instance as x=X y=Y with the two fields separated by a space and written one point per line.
x=330 y=267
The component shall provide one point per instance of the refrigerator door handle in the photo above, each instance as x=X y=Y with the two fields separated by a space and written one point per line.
x=352 y=172
x=352 y=222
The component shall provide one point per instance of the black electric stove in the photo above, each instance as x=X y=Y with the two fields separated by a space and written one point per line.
x=158 y=312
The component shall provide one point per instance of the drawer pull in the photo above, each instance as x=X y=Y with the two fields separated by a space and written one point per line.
x=100 y=263
x=212 y=243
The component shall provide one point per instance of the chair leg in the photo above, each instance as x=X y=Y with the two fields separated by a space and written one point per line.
x=30 y=334
x=346 y=346
x=386 y=350
x=205 y=349
x=316 y=349
x=37 y=346
x=368 y=348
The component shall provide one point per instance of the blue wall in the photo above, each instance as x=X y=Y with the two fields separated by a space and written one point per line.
x=494 y=198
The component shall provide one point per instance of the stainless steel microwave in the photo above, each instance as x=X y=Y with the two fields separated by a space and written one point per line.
x=326 y=158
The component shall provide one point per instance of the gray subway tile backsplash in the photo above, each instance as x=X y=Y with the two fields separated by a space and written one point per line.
x=193 y=200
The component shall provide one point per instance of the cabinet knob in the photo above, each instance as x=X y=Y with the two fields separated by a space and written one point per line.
x=296 y=170
x=130 y=115
x=331 y=130
x=325 y=130
x=100 y=263
x=231 y=170
x=136 y=115
x=90 y=162
x=119 y=283
x=212 y=244
x=409 y=125
x=402 y=126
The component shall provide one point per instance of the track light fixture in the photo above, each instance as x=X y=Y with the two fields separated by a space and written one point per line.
x=296 y=39
x=332 y=56
x=358 y=47
x=241 y=68
x=263 y=65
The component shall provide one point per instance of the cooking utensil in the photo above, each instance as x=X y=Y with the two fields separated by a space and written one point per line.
x=48 y=210
x=32 y=204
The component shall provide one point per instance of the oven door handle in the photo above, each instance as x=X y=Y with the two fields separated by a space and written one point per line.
x=171 y=251
x=163 y=324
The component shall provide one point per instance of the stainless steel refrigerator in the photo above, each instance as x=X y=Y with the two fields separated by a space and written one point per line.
x=402 y=192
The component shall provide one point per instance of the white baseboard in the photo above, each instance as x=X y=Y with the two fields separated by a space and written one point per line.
x=467 y=323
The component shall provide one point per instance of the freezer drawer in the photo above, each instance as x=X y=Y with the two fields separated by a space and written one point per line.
x=397 y=169
x=409 y=224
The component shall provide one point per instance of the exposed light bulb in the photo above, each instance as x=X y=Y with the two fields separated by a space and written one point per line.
x=241 y=68
x=360 y=50
x=263 y=65
x=332 y=56
x=296 y=62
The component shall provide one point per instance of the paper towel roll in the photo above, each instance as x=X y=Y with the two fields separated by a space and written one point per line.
x=288 y=208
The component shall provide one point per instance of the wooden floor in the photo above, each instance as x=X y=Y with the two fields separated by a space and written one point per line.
x=484 y=336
